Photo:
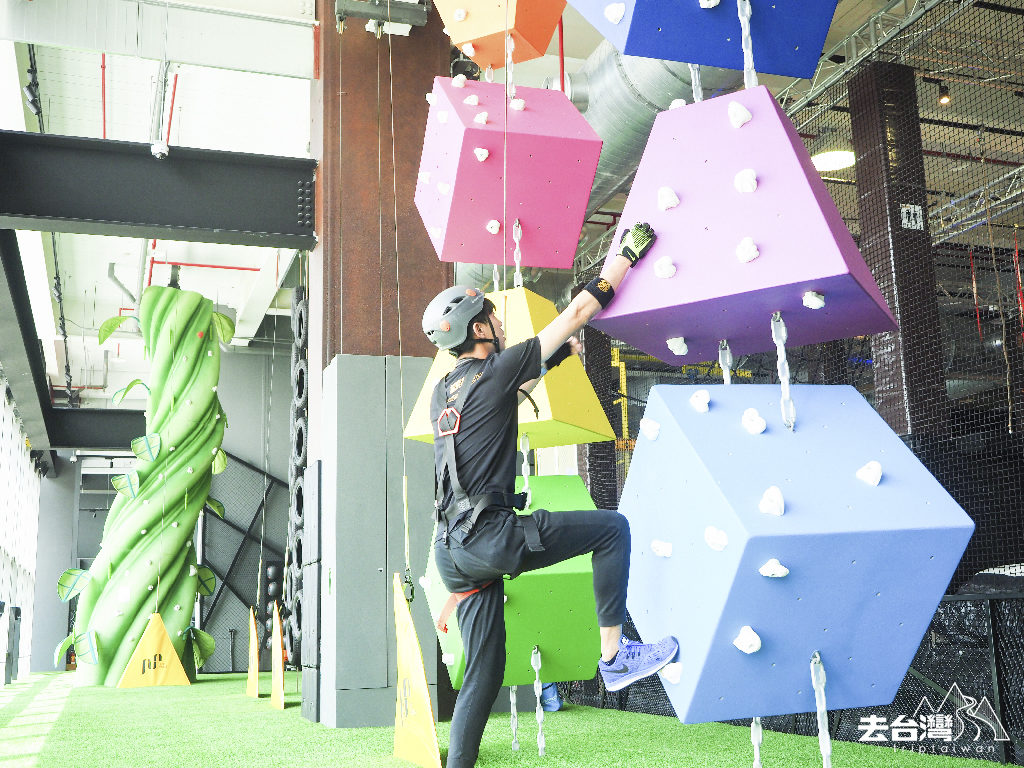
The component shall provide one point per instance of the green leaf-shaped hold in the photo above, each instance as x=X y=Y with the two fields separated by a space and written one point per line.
x=225 y=327
x=147 y=447
x=110 y=325
x=220 y=462
x=216 y=507
x=87 y=648
x=71 y=582
x=127 y=484
x=118 y=397
x=207 y=581
x=203 y=645
x=61 y=650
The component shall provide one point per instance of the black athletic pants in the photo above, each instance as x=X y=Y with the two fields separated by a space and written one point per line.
x=496 y=547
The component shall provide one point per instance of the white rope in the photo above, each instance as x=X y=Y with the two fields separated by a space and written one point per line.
x=779 y=336
x=695 y=84
x=756 y=737
x=524 y=446
x=517 y=255
x=537 y=688
x=818 y=681
x=749 y=75
x=725 y=361
x=510 y=46
x=515 y=717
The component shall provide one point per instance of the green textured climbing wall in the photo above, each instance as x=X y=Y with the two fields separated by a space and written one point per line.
x=146 y=562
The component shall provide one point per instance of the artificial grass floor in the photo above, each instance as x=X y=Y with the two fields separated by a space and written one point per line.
x=214 y=725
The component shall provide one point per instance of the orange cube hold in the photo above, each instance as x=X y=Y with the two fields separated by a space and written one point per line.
x=481 y=25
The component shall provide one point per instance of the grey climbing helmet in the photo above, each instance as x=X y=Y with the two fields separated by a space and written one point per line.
x=446 y=318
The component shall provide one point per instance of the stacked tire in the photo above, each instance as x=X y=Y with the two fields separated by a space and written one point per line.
x=292 y=618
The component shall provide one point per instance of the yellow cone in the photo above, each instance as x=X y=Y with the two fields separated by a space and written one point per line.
x=155 y=661
x=277 y=663
x=570 y=413
x=415 y=736
x=252 y=684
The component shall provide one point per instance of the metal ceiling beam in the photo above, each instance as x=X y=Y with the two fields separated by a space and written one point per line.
x=103 y=187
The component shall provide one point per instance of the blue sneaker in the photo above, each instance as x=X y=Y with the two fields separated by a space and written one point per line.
x=636 y=660
x=550 y=700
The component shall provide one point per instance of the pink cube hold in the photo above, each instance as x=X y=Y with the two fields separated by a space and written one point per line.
x=729 y=252
x=460 y=194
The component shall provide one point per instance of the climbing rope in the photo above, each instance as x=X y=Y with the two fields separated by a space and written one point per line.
x=517 y=256
x=787 y=405
x=756 y=737
x=695 y=84
x=725 y=361
x=749 y=75
x=514 y=721
x=537 y=688
x=818 y=681
x=524 y=446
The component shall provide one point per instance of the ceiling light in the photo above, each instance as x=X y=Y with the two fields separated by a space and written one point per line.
x=831 y=152
x=944 y=94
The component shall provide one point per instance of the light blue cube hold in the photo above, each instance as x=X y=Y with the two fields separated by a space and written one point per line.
x=867 y=564
x=787 y=35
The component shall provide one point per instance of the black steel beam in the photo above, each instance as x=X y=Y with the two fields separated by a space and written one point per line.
x=94 y=429
x=103 y=187
x=20 y=355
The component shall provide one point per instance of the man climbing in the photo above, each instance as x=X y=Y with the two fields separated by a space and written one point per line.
x=480 y=539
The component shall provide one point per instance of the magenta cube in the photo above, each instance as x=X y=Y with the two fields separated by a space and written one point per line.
x=694 y=155
x=460 y=190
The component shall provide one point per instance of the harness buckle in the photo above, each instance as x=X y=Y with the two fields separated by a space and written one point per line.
x=448 y=422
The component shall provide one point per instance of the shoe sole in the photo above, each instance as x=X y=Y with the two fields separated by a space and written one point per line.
x=630 y=679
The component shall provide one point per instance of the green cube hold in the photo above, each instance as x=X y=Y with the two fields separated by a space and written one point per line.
x=552 y=608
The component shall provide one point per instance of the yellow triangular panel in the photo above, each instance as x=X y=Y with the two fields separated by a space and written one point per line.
x=570 y=413
x=155 y=662
x=415 y=736
x=252 y=683
x=277 y=663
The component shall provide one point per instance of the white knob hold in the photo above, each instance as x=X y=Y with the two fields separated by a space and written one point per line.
x=772 y=502
x=870 y=473
x=814 y=300
x=747 y=250
x=460 y=14
x=661 y=548
x=447 y=659
x=442 y=116
x=192 y=570
x=748 y=640
x=664 y=268
x=443 y=187
x=700 y=401
x=752 y=422
x=716 y=538
x=739 y=115
x=459 y=81
x=709 y=3
x=517 y=104
x=151 y=587
x=667 y=198
x=177 y=607
x=469 y=49
x=614 y=12
x=481 y=154
x=481 y=117
x=677 y=345
x=174 y=524
x=672 y=672
x=473 y=100
x=494 y=226
x=424 y=177
x=430 y=98
x=650 y=428
x=143 y=531
x=745 y=181
x=773 y=569
x=677 y=103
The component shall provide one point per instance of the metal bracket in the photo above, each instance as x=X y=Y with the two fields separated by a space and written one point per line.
x=397 y=12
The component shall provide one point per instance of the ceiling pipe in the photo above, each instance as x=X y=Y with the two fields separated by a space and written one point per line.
x=124 y=288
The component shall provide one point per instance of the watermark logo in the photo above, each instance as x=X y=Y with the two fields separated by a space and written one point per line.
x=941 y=729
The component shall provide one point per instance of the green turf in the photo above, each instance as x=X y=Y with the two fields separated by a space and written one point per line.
x=213 y=725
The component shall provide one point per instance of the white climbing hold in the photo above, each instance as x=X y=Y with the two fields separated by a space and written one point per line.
x=748 y=640
x=174 y=524
x=460 y=14
x=672 y=672
x=209 y=353
x=614 y=12
x=459 y=81
x=772 y=502
x=716 y=538
x=143 y=532
x=745 y=181
x=814 y=300
x=192 y=570
x=752 y=421
x=188 y=402
x=481 y=117
x=739 y=115
x=217 y=417
x=430 y=98
x=773 y=569
x=494 y=226
x=481 y=154
x=177 y=607
x=870 y=473
x=444 y=187
x=189 y=470
x=661 y=548
x=214 y=388
x=677 y=103
x=473 y=100
x=447 y=658
x=179 y=633
x=677 y=345
x=747 y=250
x=151 y=587
x=650 y=428
x=171 y=448
x=664 y=268
x=188 y=544
x=517 y=104
x=709 y=3
x=700 y=401
x=442 y=116
x=667 y=198
x=469 y=49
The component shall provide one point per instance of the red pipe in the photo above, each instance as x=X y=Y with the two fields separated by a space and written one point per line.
x=561 y=55
x=103 y=90
x=170 y=115
x=204 y=266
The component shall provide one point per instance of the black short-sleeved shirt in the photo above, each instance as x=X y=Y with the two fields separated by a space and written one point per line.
x=485 y=446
